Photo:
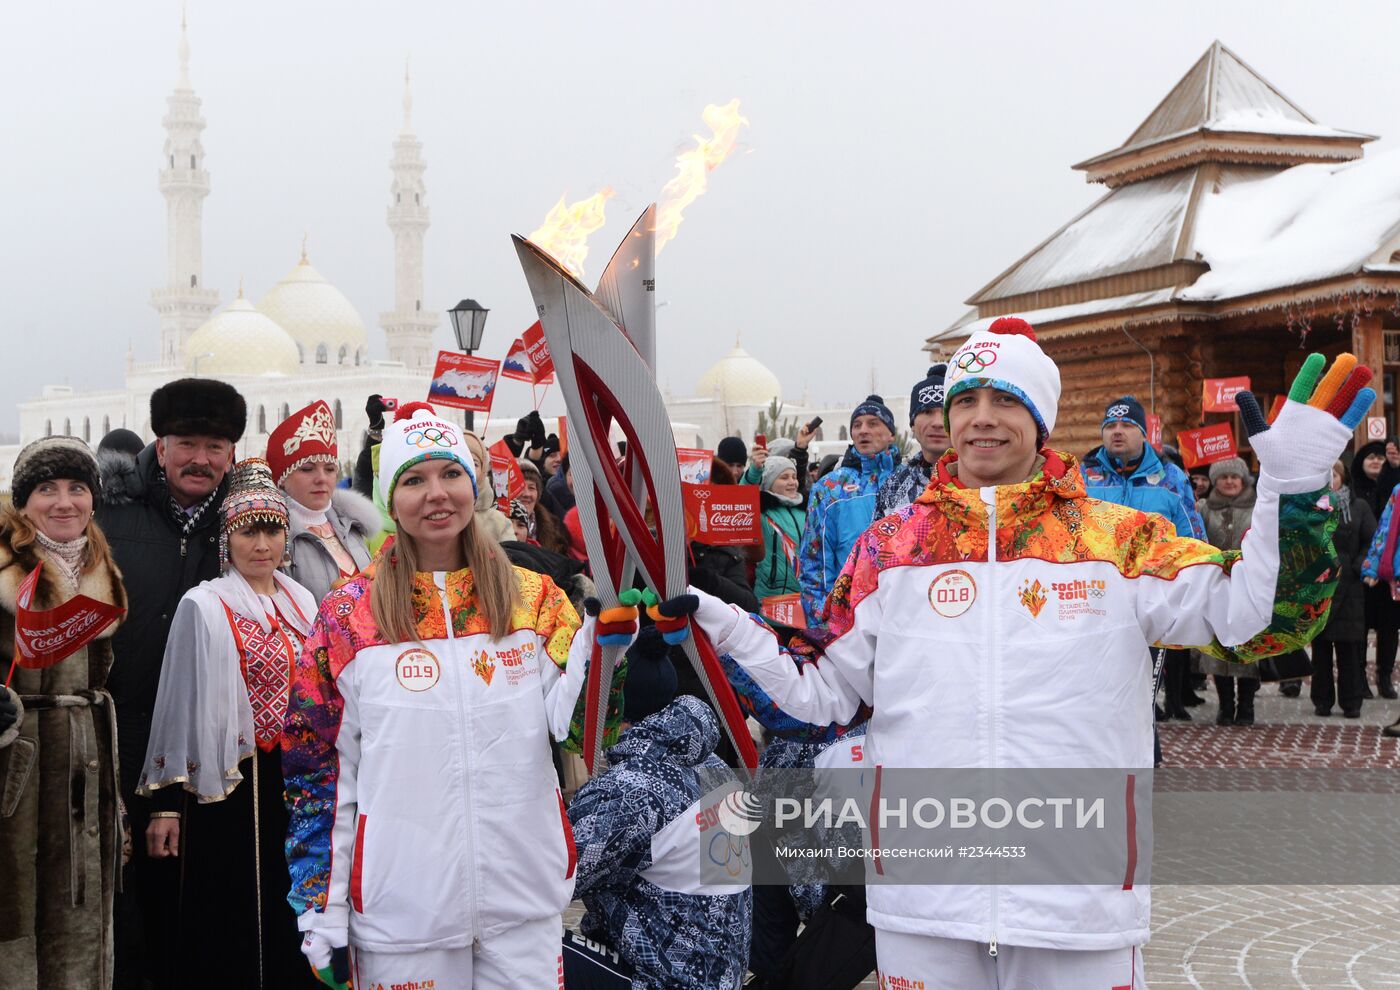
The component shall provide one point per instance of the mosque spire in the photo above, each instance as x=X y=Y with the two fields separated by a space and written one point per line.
x=409 y=326
x=183 y=303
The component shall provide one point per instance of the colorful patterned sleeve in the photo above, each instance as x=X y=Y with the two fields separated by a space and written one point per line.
x=1288 y=569
x=1371 y=569
x=320 y=758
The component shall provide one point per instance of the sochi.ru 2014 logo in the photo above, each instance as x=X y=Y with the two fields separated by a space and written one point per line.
x=1033 y=597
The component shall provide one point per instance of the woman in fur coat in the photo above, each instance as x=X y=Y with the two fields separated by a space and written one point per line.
x=60 y=843
x=331 y=527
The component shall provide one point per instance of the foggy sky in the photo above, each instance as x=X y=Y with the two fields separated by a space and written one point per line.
x=900 y=155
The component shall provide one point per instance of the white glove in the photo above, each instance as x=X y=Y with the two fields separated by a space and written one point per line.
x=1315 y=425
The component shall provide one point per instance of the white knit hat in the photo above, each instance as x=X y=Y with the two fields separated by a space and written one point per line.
x=418 y=434
x=1006 y=356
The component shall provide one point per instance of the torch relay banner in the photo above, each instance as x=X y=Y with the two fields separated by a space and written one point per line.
x=43 y=638
x=1218 y=394
x=1206 y=445
x=722 y=515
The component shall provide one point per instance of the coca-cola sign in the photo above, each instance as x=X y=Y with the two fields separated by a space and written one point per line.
x=722 y=515
x=45 y=637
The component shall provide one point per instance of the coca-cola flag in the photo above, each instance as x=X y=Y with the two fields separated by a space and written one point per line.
x=44 y=638
x=517 y=363
x=464 y=381
x=785 y=610
x=537 y=352
x=507 y=480
x=1218 y=394
x=1206 y=445
x=694 y=464
x=1154 y=431
x=722 y=515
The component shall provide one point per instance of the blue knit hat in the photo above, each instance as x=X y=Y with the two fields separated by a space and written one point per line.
x=1125 y=410
x=927 y=394
x=874 y=405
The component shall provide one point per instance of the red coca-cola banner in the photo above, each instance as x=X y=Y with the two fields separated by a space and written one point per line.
x=44 y=638
x=507 y=480
x=785 y=610
x=694 y=464
x=722 y=515
x=537 y=350
x=1218 y=394
x=1154 y=431
x=1206 y=445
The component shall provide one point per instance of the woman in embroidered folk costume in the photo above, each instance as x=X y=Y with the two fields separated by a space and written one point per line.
x=59 y=834
x=427 y=831
x=214 y=764
x=1040 y=606
x=330 y=527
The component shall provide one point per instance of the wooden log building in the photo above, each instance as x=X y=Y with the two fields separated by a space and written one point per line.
x=1238 y=234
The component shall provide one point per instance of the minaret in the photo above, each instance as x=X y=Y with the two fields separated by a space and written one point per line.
x=184 y=304
x=408 y=327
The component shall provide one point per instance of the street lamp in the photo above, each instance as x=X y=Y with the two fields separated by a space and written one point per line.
x=468 y=324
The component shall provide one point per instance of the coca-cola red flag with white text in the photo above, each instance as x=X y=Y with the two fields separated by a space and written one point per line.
x=722 y=515
x=45 y=637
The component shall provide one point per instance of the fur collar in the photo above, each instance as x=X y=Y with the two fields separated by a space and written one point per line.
x=356 y=511
x=103 y=582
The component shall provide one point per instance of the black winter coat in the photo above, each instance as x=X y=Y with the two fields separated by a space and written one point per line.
x=1347 y=623
x=158 y=566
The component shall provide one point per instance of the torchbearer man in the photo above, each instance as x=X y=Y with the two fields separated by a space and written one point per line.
x=987 y=677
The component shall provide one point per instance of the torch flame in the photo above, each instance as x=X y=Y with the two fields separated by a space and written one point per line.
x=693 y=168
x=564 y=233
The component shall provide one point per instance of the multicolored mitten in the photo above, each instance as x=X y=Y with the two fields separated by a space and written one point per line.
x=616 y=626
x=672 y=617
x=1315 y=424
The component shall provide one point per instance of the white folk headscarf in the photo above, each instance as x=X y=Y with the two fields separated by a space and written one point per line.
x=202 y=725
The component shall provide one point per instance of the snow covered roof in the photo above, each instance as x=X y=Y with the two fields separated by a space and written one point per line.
x=1308 y=223
x=1222 y=110
x=1132 y=228
x=1257 y=232
x=970 y=323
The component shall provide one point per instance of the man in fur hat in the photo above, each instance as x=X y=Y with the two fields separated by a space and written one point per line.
x=160 y=517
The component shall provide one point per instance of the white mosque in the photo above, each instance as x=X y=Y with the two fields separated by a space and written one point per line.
x=303 y=340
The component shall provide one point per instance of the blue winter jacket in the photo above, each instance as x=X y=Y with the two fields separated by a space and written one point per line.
x=840 y=508
x=1154 y=486
x=659 y=772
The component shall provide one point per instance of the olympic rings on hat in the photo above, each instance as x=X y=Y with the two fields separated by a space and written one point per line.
x=976 y=361
x=431 y=436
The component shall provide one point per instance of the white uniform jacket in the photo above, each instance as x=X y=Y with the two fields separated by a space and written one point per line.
x=425 y=811
x=1032 y=651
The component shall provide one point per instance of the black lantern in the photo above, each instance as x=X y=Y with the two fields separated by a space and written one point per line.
x=468 y=323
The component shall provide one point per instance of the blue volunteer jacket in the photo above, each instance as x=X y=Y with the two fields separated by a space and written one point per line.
x=1154 y=486
x=635 y=830
x=840 y=508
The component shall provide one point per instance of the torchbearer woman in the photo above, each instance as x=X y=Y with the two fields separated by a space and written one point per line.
x=948 y=620
x=427 y=831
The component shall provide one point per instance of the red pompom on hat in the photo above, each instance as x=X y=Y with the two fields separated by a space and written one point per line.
x=410 y=409
x=1012 y=325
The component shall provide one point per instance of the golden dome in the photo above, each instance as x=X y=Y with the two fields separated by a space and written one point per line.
x=739 y=379
x=321 y=321
x=241 y=341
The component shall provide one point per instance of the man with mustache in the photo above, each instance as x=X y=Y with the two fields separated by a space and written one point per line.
x=160 y=517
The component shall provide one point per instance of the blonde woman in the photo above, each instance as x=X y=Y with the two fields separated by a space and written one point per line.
x=427 y=831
